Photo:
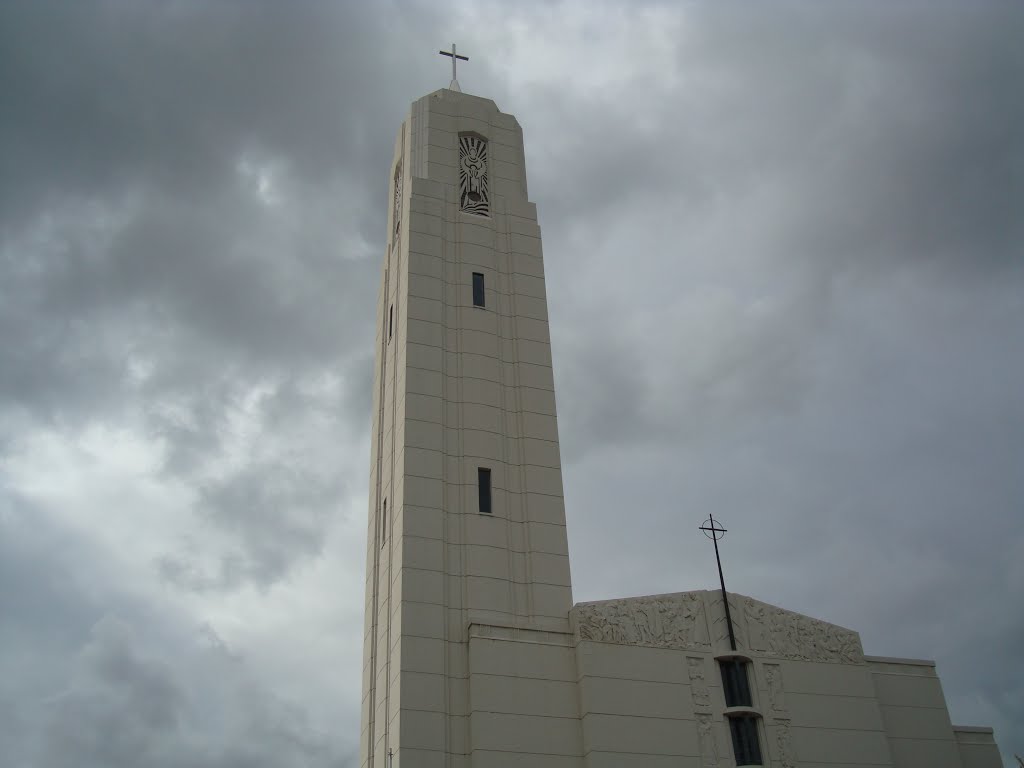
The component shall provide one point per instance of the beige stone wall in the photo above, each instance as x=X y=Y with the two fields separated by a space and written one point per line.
x=651 y=690
x=977 y=747
x=915 y=715
x=523 y=698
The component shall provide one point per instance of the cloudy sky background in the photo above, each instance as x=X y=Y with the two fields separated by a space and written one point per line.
x=786 y=283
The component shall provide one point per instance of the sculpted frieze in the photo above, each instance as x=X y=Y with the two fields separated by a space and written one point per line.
x=663 y=621
x=772 y=631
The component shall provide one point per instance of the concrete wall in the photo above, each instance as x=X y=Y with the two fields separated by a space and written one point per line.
x=523 y=698
x=915 y=715
x=977 y=747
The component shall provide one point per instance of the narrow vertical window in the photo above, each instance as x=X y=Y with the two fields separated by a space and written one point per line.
x=391 y=321
x=478 y=289
x=745 y=743
x=735 y=683
x=384 y=524
x=483 y=478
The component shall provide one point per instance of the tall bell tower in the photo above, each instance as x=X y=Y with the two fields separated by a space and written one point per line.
x=466 y=534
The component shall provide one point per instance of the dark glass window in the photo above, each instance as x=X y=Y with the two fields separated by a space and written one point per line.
x=744 y=740
x=478 y=289
x=391 y=321
x=483 y=477
x=735 y=683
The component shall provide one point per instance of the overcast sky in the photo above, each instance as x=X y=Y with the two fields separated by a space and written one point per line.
x=785 y=261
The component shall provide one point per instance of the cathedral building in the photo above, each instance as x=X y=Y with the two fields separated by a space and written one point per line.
x=474 y=653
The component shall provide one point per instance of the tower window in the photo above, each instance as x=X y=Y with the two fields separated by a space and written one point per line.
x=483 y=479
x=744 y=740
x=391 y=321
x=478 y=289
x=384 y=524
x=735 y=683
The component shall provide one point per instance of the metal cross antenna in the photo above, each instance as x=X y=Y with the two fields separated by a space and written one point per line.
x=715 y=533
x=455 y=57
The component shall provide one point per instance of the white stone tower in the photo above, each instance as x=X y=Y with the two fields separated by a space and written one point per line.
x=466 y=534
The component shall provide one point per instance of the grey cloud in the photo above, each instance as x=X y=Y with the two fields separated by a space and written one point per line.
x=94 y=677
x=785 y=291
x=276 y=516
x=126 y=704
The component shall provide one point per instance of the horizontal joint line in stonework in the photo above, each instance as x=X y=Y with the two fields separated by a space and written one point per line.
x=470 y=483
x=491 y=578
x=658 y=754
x=660 y=681
x=488 y=267
x=526 y=677
x=503 y=519
x=635 y=717
x=480 y=354
x=499 y=579
x=516 y=315
x=510 y=613
x=477 y=378
x=871 y=730
x=474 y=544
x=491 y=289
x=477 y=458
x=905 y=706
x=522 y=714
x=488 y=431
x=455 y=401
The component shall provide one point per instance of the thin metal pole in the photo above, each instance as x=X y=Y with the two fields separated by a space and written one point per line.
x=725 y=596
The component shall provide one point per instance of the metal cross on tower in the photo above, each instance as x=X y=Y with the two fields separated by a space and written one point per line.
x=714 y=533
x=455 y=57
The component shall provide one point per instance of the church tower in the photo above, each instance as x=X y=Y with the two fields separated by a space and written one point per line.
x=466 y=537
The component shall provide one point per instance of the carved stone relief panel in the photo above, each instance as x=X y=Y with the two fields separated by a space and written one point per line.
x=698 y=683
x=772 y=631
x=784 y=742
x=474 y=190
x=662 y=621
x=397 y=213
x=776 y=696
x=719 y=626
x=706 y=740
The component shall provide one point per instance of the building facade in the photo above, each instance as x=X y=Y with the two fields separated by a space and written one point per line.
x=474 y=654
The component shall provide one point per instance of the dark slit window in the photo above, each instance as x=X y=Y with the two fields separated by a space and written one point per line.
x=744 y=740
x=735 y=683
x=483 y=477
x=391 y=321
x=478 y=289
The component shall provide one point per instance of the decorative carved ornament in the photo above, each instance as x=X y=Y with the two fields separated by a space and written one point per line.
x=698 y=683
x=397 y=214
x=665 y=621
x=474 y=191
x=772 y=631
x=784 y=742
x=685 y=620
x=706 y=739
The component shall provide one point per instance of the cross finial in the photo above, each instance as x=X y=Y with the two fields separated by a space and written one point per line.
x=715 y=532
x=454 y=85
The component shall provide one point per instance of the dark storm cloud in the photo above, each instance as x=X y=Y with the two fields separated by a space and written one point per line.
x=783 y=261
